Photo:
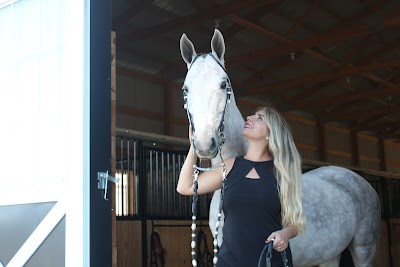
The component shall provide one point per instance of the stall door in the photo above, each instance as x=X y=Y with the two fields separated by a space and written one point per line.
x=55 y=135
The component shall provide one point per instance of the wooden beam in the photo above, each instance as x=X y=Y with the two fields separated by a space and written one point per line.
x=381 y=50
x=258 y=75
x=156 y=116
x=349 y=97
x=354 y=115
x=311 y=79
x=203 y=4
x=297 y=24
x=312 y=53
x=129 y=13
x=151 y=78
x=339 y=153
x=395 y=130
x=306 y=92
x=356 y=49
x=373 y=9
x=342 y=106
x=134 y=112
x=394 y=10
x=211 y=13
x=338 y=34
x=381 y=154
x=229 y=33
x=372 y=122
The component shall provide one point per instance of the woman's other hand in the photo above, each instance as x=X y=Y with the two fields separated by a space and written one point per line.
x=281 y=237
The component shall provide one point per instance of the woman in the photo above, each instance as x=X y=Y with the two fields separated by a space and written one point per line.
x=263 y=194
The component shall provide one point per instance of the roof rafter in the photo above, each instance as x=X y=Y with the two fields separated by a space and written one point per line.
x=207 y=14
x=297 y=24
x=354 y=115
x=381 y=50
x=311 y=52
x=349 y=97
x=311 y=79
x=228 y=34
x=338 y=34
x=130 y=13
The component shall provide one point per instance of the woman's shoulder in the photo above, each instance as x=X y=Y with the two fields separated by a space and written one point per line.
x=229 y=162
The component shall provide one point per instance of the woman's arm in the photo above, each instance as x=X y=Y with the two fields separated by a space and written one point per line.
x=208 y=181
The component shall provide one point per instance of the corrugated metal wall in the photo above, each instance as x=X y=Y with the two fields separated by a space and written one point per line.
x=368 y=152
x=339 y=146
x=306 y=136
x=392 y=155
x=141 y=106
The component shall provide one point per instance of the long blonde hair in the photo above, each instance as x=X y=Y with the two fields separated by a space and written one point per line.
x=287 y=169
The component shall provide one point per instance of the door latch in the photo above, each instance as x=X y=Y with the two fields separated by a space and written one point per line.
x=102 y=181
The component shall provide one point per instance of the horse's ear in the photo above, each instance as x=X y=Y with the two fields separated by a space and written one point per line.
x=187 y=49
x=218 y=45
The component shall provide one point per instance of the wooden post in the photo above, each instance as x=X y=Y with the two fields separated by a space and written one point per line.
x=113 y=148
x=381 y=154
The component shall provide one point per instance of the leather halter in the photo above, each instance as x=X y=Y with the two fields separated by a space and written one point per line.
x=227 y=100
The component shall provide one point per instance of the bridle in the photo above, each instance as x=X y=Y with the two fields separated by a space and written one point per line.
x=198 y=169
x=227 y=100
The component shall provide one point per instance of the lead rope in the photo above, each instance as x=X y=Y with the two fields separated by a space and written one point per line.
x=196 y=171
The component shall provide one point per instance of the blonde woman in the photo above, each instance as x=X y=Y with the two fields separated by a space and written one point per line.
x=263 y=192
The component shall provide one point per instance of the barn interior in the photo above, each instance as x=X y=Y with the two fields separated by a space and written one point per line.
x=331 y=67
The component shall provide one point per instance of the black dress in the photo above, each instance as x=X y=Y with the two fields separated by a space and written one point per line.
x=252 y=212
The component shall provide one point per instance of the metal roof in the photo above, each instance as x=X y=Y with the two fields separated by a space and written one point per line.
x=337 y=61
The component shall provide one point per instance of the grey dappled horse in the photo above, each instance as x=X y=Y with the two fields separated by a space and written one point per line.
x=341 y=208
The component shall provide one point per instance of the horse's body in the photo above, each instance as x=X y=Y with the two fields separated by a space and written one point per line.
x=341 y=208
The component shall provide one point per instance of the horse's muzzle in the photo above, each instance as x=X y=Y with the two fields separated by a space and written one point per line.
x=207 y=153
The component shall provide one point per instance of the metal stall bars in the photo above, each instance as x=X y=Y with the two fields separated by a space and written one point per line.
x=126 y=190
x=388 y=188
x=149 y=165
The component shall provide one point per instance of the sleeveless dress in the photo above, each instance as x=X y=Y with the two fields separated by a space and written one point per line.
x=252 y=212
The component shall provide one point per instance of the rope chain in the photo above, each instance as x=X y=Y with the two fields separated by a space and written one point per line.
x=196 y=171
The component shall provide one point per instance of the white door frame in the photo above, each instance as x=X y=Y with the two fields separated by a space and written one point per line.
x=75 y=193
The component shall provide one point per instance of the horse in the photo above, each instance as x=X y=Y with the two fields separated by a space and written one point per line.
x=341 y=208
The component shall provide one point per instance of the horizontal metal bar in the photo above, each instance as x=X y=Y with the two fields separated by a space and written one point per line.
x=151 y=137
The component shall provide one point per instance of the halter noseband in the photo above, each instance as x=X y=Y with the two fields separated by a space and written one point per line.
x=198 y=169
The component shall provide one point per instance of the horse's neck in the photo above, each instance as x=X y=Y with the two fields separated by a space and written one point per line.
x=235 y=144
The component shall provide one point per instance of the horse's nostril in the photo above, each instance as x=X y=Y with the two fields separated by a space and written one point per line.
x=213 y=144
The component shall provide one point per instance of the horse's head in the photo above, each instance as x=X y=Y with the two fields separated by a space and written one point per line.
x=206 y=93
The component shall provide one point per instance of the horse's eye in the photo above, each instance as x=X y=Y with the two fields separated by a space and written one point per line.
x=223 y=85
x=185 y=90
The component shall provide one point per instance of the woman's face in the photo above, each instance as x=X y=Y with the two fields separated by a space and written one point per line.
x=256 y=127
